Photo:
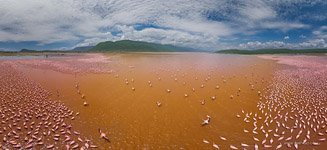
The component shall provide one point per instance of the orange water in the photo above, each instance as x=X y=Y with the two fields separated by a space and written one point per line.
x=132 y=120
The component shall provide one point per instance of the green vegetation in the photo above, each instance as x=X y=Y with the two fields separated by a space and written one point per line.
x=136 y=46
x=273 y=51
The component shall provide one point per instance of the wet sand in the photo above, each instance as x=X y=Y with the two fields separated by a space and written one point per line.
x=159 y=100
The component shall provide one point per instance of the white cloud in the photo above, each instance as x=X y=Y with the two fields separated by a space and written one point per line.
x=180 y=22
x=315 y=43
x=261 y=15
x=321 y=32
x=43 y=21
x=163 y=36
x=197 y=26
x=284 y=26
x=262 y=45
x=319 y=40
x=257 y=10
x=92 y=20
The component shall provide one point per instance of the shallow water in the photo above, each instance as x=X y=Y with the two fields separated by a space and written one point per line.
x=132 y=119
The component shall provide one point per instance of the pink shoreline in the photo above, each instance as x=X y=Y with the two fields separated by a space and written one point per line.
x=301 y=61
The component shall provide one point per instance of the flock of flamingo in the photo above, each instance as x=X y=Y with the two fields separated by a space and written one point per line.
x=291 y=111
x=30 y=119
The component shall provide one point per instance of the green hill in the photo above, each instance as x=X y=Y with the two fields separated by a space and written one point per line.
x=27 y=51
x=137 y=46
x=272 y=51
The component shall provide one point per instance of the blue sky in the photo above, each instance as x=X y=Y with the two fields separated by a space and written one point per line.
x=205 y=24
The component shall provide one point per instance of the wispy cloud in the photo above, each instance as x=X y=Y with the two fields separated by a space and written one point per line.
x=315 y=43
x=257 y=10
x=204 y=24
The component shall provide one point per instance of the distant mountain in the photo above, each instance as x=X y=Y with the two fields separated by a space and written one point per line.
x=27 y=50
x=272 y=51
x=137 y=46
x=83 y=48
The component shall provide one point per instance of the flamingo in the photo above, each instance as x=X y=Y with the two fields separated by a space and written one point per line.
x=158 y=103
x=103 y=135
x=206 y=121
